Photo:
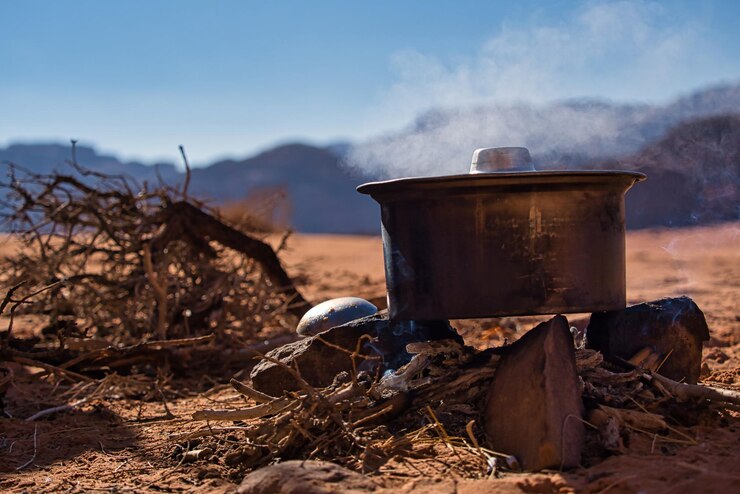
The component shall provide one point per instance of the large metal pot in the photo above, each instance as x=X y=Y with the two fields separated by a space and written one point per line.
x=494 y=243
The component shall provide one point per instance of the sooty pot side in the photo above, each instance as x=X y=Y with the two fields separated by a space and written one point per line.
x=492 y=244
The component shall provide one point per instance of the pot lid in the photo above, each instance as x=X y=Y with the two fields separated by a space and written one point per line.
x=504 y=167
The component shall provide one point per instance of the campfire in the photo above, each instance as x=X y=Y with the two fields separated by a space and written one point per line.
x=135 y=287
x=374 y=388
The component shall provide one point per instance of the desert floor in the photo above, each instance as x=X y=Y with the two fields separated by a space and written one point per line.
x=109 y=447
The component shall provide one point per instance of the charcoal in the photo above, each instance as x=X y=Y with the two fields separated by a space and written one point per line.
x=672 y=327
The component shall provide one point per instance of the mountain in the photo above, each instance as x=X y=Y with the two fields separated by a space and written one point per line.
x=693 y=175
x=46 y=158
x=321 y=193
x=689 y=149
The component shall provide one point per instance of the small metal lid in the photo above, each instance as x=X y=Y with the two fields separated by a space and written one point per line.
x=508 y=159
x=334 y=312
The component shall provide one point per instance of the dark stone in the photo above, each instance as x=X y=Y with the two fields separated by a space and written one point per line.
x=670 y=325
x=305 y=477
x=319 y=360
x=534 y=409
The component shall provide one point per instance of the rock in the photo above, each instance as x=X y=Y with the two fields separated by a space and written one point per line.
x=674 y=326
x=534 y=408
x=320 y=358
x=305 y=477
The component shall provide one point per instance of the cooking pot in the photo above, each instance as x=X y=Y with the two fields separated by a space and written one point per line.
x=499 y=242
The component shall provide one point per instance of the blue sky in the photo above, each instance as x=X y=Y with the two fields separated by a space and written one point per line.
x=226 y=78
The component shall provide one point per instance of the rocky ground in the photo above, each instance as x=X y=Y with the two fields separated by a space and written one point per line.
x=128 y=442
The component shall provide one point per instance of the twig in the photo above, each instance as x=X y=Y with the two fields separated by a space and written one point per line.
x=51 y=368
x=35 y=449
x=137 y=348
x=244 y=413
x=249 y=392
x=665 y=439
x=687 y=392
x=383 y=410
x=469 y=430
x=186 y=185
x=352 y=354
x=52 y=410
x=672 y=429
x=9 y=295
x=167 y=411
x=159 y=292
x=663 y=361
x=23 y=300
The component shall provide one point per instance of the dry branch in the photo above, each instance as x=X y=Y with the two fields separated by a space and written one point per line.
x=243 y=413
x=685 y=392
x=123 y=264
x=183 y=219
x=148 y=347
x=160 y=292
x=250 y=392
x=56 y=409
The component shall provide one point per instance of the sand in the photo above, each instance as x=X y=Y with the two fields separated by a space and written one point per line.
x=109 y=447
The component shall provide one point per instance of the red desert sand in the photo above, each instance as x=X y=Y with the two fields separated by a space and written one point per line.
x=115 y=448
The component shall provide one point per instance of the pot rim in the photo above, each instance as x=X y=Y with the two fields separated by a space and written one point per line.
x=503 y=179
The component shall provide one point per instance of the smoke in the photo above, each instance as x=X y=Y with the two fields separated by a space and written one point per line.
x=503 y=96
x=442 y=142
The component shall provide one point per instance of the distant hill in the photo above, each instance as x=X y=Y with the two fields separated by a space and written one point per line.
x=45 y=158
x=693 y=175
x=689 y=149
x=321 y=192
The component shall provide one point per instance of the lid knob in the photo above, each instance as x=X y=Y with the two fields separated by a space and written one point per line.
x=513 y=159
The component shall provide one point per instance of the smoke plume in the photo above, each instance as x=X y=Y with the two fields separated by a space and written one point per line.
x=519 y=90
